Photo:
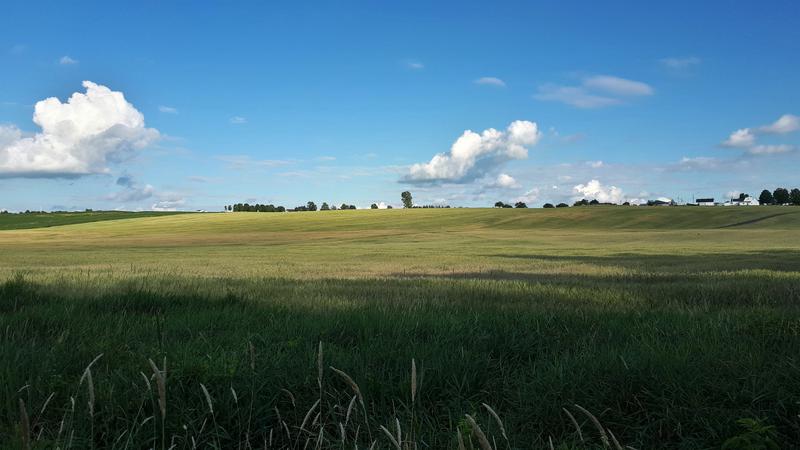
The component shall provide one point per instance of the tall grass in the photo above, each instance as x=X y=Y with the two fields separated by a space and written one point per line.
x=328 y=363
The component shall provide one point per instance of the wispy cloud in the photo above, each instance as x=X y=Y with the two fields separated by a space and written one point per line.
x=238 y=162
x=741 y=138
x=67 y=61
x=168 y=109
x=490 y=81
x=597 y=91
x=680 y=63
x=414 y=64
x=237 y=120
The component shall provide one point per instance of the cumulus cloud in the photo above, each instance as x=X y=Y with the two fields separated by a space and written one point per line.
x=506 y=181
x=742 y=138
x=787 y=123
x=595 y=91
x=80 y=137
x=594 y=190
x=491 y=81
x=473 y=155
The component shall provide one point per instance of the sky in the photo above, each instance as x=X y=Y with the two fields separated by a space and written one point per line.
x=195 y=105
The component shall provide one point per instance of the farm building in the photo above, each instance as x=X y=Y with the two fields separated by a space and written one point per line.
x=705 y=202
x=746 y=201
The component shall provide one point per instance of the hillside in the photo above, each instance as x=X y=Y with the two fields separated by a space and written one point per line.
x=34 y=220
x=596 y=218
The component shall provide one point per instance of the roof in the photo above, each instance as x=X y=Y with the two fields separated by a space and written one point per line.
x=705 y=200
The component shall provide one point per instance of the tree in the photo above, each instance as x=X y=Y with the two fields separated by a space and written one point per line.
x=388 y=206
x=406 y=197
x=324 y=207
x=581 y=202
x=562 y=205
x=506 y=205
x=311 y=206
x=498 y=204
x=781 y=196
x=766 y=198
x=794 y=197
x=594 y=202
x=743 y=196
x=626 y=204
x=373 y=206
x=520 y=205
x=344 y=206
x=548 y=205
x=334 y=208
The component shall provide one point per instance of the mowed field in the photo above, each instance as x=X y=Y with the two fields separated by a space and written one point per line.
x=668 y=325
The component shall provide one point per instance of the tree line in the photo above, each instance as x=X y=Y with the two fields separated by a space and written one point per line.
x=780 y=196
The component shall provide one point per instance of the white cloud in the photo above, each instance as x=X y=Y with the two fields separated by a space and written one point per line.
x=574 y=96
x=617 y=85
x=595 y=164
x=680 y=63
x=67 y=61
x=472 y=155
x=770 y=149
x=491 y=81
x=741 y=138
x=787 y=123
x=80 y=137
x=529 y=196
x=698 y=162
x=326 y=158
x=168 y=205
x=236 y=120
x=505 y=181
x=239 y=162
x=168 y=109
x=594 y=190
x=595 y=91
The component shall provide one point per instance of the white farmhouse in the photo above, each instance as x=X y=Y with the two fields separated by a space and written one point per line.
x=746 y=201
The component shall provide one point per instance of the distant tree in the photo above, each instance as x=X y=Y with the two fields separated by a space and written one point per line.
x=781 y=196
x=280 y=209
x=626 y=204
x=324 y=207
x=311 y=206
x=353 y=207
x=407 y=201
x=548 y=205
x=743 y=196
x=498 y=204
x=794 y=197
x=344 y=206
x=766 y=198
x=334 y=208
x=520 y=205
x=594 y=202
x=388 y=206
x=373 y=206
x=562 y=205
x=581 y=202
x=506 y=205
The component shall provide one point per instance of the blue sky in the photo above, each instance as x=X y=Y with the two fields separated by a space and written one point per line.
x=198 y=105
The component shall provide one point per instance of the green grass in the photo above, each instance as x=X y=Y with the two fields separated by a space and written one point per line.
x=669 y=324
x=40 y=220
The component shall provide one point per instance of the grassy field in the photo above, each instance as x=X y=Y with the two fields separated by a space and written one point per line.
x=668 y=325
x=41 y=220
